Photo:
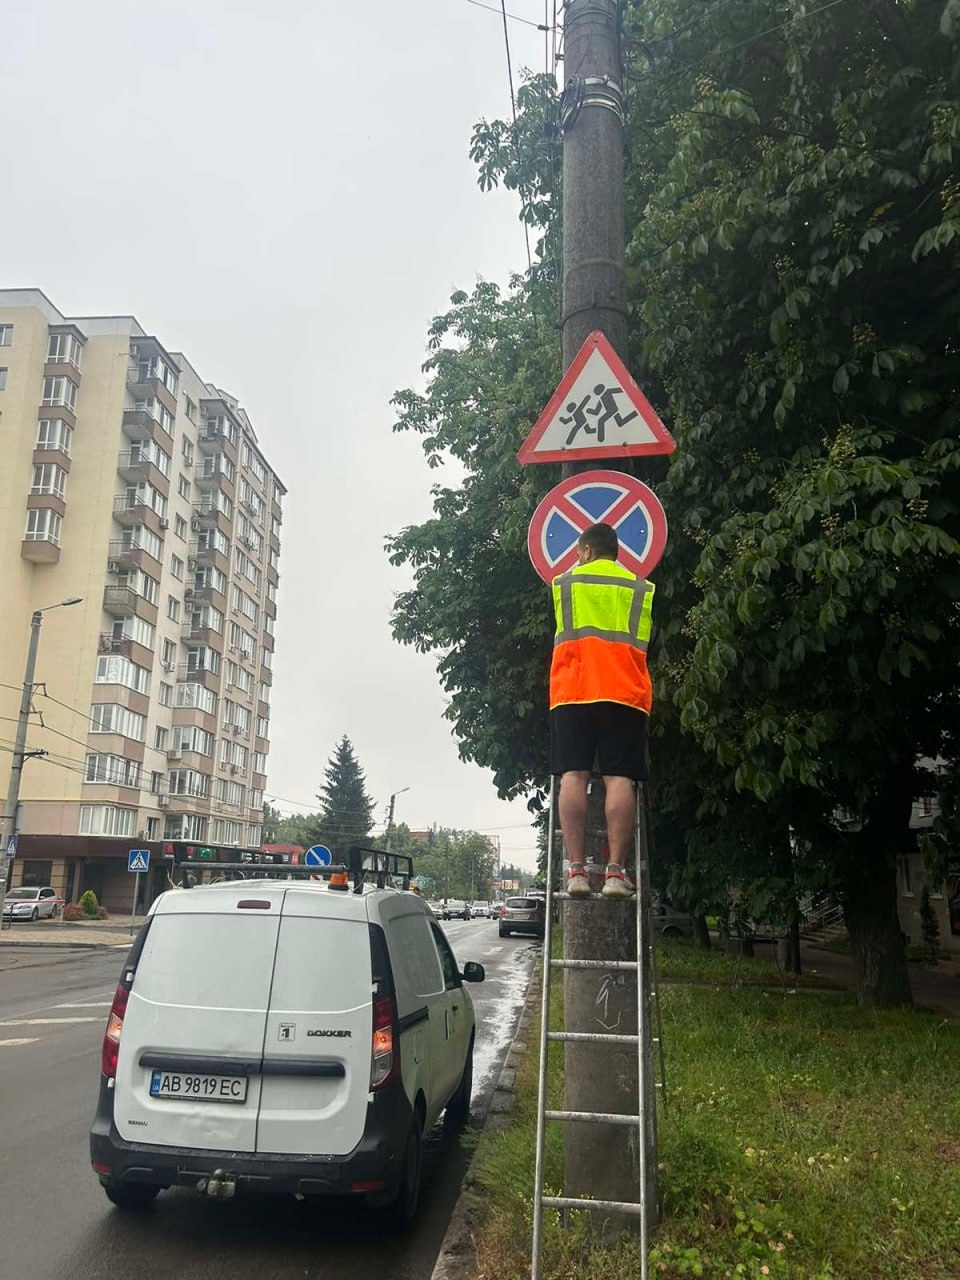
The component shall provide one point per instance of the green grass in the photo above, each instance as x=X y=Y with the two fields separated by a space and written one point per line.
x=683 y=962
x=805 y=1139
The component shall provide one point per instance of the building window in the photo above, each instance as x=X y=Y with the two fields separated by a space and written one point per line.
x=157 y=783
x=153 y=828
x=160 y=738
x=110 y=717
x=6 y=335
x=173 y=608
x=186 y=448
x=180 y=527
x=190 y=409
x=183 y=486
x=168 y=655
x=176 y=565
x=53 y=433
x=3 y=379
x=36 y=874
x=106 y=820
x=49 y=479
x=136 y=629
x=112 y=669
x=64 y=348
x=165 y=694
x=43 y=525
x=906 y=878
x=116 y=770
x=60 y=392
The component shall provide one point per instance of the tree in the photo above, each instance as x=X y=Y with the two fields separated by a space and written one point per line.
x=271 y=823
x=346 y=810
x=793 y=225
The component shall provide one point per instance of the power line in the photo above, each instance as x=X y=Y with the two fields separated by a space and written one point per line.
x=516 y=139
x=527 y=22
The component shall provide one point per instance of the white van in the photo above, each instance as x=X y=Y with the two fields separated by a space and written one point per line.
x=276 y=1035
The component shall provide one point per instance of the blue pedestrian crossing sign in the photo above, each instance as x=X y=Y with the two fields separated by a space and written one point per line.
x=318 y=856
x=138 y=860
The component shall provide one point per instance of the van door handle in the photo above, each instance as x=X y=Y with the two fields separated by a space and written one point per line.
x=456 y=1008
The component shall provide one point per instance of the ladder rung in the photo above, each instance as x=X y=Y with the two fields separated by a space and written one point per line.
x=590 y=1037
x=574 y=1202
x=624 y=966
x=593 y=1117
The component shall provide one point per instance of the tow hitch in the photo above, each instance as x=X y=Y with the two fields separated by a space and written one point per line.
x=219 y=1186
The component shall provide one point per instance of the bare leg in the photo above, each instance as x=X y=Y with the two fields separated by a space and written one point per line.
x=620 y=813
x=573 y=814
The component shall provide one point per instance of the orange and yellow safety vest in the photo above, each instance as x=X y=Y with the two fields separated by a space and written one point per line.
x=604 y=619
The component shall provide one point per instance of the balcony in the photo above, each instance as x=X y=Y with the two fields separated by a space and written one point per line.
x=207 y=516
x=200 y=633
x=120 y=601
x=132 y=512
x=125 y=555
x=142 y=422
x=212 y=475
x=212 y=439
x=135 y=468
x=189 y=674
x=109 y=643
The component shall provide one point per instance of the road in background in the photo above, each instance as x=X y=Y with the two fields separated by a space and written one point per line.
x=58 y=1223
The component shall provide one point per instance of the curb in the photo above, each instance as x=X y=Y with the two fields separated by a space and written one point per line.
x=62 y=946
x=457 y=1257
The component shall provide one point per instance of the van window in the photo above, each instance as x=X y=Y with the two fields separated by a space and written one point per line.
x=322 y=965
x=451 y=974
x=416 y=965
x=208 y=961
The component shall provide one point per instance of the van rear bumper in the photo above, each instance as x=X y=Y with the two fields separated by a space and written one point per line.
x=376 y=1159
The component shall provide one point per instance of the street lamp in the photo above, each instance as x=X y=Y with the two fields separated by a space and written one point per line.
x=8 y=827
x=393 y=801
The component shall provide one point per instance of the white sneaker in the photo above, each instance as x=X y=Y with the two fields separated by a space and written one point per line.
x=617 y=883
x=578 y=886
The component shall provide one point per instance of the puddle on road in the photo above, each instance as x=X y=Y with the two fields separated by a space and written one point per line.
x=498 y=1018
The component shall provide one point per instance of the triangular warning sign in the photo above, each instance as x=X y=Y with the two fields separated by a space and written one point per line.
x=597 y=411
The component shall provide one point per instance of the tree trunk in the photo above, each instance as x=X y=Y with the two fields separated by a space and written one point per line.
x=701 y=934
x=870 y=911
x=788 y=947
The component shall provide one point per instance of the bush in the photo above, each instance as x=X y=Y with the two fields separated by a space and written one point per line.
x=103 y=913
x=73 y=911
x=88 y=901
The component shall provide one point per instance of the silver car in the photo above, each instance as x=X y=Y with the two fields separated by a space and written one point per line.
x=31 y=904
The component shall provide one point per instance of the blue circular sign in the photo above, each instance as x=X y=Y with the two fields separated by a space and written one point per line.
x=318 y=856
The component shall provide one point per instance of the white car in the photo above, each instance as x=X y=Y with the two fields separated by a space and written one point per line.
x=283 y=1035
x=31 y=904
x=478 y=910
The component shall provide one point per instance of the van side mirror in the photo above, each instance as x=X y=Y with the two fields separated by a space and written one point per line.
x=473 y=972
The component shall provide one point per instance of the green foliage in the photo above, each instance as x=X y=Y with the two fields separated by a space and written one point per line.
x=929 y=926
x=449 y=864
x=346 y=810
x=88 y=904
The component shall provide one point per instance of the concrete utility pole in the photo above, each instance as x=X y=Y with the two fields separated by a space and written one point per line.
x=9 y=825
x=600 y=1160
x=393 y=802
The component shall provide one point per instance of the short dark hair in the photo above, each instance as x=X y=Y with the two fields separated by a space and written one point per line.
x=602 y=541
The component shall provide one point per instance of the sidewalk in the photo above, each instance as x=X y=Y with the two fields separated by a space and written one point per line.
x=935 y=988
x=54 y=933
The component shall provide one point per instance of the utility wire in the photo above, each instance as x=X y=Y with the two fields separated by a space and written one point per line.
x=511 y=16
x=516 y=139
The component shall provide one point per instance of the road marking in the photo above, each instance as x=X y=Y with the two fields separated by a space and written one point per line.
x=44 y=1022
x=21 y=1040
x=97 y=1004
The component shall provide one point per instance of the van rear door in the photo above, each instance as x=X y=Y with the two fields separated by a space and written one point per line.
x=188 y=1073
x=316 y=1060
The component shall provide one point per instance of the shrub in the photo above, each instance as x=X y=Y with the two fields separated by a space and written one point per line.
x=88 y=901
x=103 y=913
x=73 y=911
x=929 y=927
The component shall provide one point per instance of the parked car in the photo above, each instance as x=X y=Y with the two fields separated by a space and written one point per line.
x=523 y=915
x=479 y=910
x=457 y=909
x=437 y=909
x=670 y=923
x=283 y=1036
x=32 y=904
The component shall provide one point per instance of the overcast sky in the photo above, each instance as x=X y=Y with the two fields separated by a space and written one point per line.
x=282 y=191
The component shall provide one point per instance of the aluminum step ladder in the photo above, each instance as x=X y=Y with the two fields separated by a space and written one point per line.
x=651 y=1063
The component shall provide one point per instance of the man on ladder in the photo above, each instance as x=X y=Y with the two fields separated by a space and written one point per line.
x=600 y=700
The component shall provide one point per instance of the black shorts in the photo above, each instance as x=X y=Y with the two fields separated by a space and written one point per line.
x=607 y=736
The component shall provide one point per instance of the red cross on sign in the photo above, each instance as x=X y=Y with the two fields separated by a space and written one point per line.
x=597 y=497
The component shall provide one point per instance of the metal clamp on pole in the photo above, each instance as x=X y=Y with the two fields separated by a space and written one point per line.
x=590 y=91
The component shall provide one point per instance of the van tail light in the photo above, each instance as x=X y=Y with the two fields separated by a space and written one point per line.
x=385 y=1058
x=111 y=1038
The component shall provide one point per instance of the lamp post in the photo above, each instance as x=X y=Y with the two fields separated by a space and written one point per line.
x=393 y=801
x=8 y=827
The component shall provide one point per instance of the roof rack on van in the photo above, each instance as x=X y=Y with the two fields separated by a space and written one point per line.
x=379 y=864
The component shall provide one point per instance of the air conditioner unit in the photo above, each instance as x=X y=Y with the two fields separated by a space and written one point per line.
x=234 y=768
x=195 y=525
x=188 y=594
x=164 y=524
x=162 y=801
x=114 y=566
x=167 y=666
x=174 y=753
x=246 y=653
x=233 y=648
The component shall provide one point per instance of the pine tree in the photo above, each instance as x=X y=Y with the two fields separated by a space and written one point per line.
x=346 y=810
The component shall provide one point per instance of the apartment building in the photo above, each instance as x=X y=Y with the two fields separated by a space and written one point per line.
x=129 y=481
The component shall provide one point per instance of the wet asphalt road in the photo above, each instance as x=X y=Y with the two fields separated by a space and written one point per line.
x=56 y=1221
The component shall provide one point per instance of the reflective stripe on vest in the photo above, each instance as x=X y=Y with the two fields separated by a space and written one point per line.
x=604 y=619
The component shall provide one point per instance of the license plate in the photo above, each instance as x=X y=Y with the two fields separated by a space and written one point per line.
x=181 y=1084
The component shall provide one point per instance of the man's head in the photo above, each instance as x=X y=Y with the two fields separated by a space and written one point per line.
x=599 y=542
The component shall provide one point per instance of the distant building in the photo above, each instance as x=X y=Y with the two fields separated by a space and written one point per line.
x=129 y=480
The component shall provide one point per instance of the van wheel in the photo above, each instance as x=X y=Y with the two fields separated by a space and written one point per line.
x=404 y=1208
x=672 y=932
x=131 y=1195
x=458 y=1108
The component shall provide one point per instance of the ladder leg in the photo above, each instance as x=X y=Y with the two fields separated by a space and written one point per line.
x=544 y=1029
x=641 y=907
